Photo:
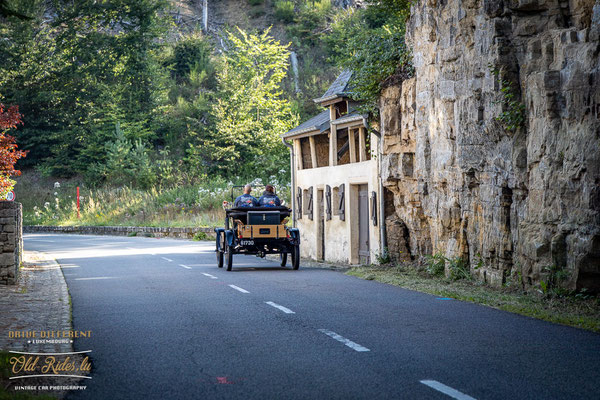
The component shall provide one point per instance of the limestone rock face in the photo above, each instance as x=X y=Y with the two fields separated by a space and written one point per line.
x=518 y=201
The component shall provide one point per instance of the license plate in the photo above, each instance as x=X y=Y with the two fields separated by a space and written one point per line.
x=247 y=242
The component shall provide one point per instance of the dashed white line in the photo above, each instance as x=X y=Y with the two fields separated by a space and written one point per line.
x=209 y=275
x=447 y=390
x=94 y=278
x=341 y=339
x=239 y=289
x=185 y=266
x=167 y=259
x=282 y=308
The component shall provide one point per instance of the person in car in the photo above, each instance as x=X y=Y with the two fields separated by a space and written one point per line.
x=246 y=200
x=269 y=198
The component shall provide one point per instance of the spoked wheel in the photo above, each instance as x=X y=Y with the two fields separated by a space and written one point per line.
x=229 y=258
x=296 y=257
x=219 y=259
x=283 y=259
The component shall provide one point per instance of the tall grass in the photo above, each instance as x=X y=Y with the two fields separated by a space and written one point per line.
x=54 y=203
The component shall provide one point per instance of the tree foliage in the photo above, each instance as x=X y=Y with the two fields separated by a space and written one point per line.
x=9 y=154
x=250 y=110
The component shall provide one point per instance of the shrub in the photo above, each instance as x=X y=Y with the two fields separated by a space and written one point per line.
x=436 y=263
x=284 y=10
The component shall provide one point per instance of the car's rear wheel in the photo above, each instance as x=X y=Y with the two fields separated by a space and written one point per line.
x=283 y=259
x=229 y=258
x=296 y=256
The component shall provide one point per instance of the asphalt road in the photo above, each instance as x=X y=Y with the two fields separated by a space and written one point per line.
x=168 y=324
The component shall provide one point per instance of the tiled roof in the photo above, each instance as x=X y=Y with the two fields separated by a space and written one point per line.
x=319 y=123
x=338 y=88
x=352 y=116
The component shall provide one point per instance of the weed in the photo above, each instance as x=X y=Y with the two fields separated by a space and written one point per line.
x=132 y=234
x=513 y=114
x=436 y=264
x=148 y=234
x=458 y=268
x=383 y=257
x=200 y=236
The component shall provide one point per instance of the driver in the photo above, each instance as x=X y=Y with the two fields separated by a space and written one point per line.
x=269 y=198
x=246 y=200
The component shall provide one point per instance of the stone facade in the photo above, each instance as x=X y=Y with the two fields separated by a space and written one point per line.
x=458 y=181
x=11 y=240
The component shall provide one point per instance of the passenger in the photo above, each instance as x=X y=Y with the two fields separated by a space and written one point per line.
x=246 y=200
x=269 y=198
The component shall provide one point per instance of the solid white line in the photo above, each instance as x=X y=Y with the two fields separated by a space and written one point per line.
x=49 y=354
x=447 y=390
x=349 y=343
x=282 y=308
x=167 y=259
x=50 y=375
x=239 y=289
x=185 y=266
x=209 y=275
x=94 y=278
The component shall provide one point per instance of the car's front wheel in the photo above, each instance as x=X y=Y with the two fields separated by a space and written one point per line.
x=229 y=258
x=296 y=256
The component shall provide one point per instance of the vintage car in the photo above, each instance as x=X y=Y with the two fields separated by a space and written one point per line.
x=258 y=231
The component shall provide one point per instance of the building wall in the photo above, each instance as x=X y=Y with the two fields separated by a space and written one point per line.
x=341 y=237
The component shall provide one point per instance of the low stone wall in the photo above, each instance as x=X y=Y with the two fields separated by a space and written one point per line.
x=11 y=241
x=182 y=233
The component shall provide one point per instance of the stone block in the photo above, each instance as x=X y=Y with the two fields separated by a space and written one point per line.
x=9 y=228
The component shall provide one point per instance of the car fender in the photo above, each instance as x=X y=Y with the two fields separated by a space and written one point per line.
x=295 y=235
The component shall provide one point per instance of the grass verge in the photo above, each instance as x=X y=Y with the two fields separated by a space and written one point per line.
x=577 y=311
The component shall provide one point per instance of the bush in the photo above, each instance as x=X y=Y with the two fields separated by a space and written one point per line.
x=284 y=10
x=255 y=2
x=436 y=264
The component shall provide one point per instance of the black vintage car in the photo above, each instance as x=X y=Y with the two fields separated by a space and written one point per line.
x=259 y=231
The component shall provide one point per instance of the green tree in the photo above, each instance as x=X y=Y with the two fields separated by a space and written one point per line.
x=91 y=65
x=250 y=111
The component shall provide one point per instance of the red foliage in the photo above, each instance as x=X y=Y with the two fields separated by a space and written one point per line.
x=8 y=146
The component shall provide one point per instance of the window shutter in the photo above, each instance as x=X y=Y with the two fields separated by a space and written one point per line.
x=309 y=207
x=342 y=204
x=374 y=208
x=328 y=202
x=299 y=203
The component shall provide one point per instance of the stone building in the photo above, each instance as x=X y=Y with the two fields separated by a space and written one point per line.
x=335 y=179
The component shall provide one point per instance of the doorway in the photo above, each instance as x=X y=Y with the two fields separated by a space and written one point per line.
x=364 y=253
x=320 y=225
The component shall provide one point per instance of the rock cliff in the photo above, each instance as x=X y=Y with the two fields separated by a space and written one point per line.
x=518 y=199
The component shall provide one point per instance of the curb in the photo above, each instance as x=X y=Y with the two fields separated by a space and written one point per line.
x=181 y=233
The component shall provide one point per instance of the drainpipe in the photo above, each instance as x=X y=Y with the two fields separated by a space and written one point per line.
x=382 y=234
x=292 y=172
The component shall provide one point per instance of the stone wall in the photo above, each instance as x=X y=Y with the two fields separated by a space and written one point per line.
x=11 y=240
x=517 y=201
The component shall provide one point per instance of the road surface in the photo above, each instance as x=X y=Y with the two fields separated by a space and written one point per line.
x=168 y=324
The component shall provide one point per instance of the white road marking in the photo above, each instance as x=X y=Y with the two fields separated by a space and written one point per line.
x=167 y=259
x=185 y=266
x=239 y=289
x=282 y=308
x=95 y=278
x=209 y=275
x=447 y=390
x=341 y=339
